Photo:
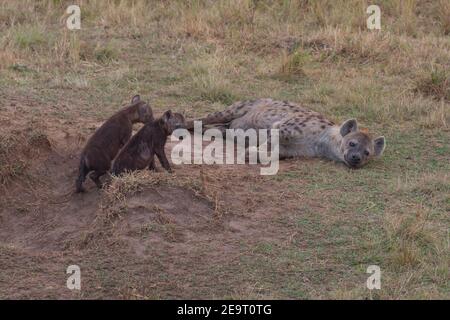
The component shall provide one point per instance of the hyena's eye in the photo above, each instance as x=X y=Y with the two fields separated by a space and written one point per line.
x=366 y=153
x=352 y=144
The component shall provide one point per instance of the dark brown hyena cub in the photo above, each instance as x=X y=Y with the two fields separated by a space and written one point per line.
x=106 y=142
x=140 y=151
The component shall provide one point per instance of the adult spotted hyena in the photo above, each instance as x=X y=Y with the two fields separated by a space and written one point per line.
x=303 y=132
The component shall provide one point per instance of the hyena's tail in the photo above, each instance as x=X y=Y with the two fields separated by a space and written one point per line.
x=232 y=112
x=82 y=172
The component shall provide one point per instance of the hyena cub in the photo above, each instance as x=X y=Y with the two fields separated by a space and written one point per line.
x=303 y=132
x=106 y=142
x=140 y=151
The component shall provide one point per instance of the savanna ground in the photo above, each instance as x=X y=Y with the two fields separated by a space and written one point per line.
x=204 y=231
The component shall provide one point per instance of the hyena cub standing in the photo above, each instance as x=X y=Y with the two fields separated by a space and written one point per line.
x=106 y=142
x=140 y=151
x=303 y=132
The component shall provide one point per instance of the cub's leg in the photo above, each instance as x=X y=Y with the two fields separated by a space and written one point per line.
x=83 y=171
x=95 y=176
x=101 y=165
x=163 y=159
x=151 y=165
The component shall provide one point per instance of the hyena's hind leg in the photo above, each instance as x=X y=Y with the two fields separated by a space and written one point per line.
x=95 y=176
x=234 y=111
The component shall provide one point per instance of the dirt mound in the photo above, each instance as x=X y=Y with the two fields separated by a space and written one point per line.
x=152 y=218
x=147 y=217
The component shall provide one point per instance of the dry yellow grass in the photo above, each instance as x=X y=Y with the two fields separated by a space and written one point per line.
x=199 y=56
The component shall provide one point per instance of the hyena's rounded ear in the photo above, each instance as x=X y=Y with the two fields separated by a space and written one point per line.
x=348 y=126
x=378 y=146
x=136 y=98
x=167 y=115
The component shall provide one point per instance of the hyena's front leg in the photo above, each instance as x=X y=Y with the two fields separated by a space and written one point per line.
x=151 y=165
x=163 y=159
x=285 y=138
x=264 y=146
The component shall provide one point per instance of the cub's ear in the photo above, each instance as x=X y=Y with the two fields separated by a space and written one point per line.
x=167 y=115
x=378 y=146
x=136 y=98
x=348 y=126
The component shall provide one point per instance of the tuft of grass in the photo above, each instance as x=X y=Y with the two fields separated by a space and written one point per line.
x=334 y=44
x=292 y=65
x=30 y=38
x=443 y=14
x=134 y=182
x=407 y=22
x=213 y=90
x=436 y=84
x=409 y=240
x=106 y=54
x=20 y=67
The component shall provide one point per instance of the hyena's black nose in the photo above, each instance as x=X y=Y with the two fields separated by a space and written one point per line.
x=356 y=158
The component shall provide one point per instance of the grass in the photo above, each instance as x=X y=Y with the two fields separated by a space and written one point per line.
x=436 y=84
x=292 y=64
x=105 y=54
x=311 y=230
x=29 y=38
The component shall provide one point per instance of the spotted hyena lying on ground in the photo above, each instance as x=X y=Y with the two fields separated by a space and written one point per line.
x=303 y=132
